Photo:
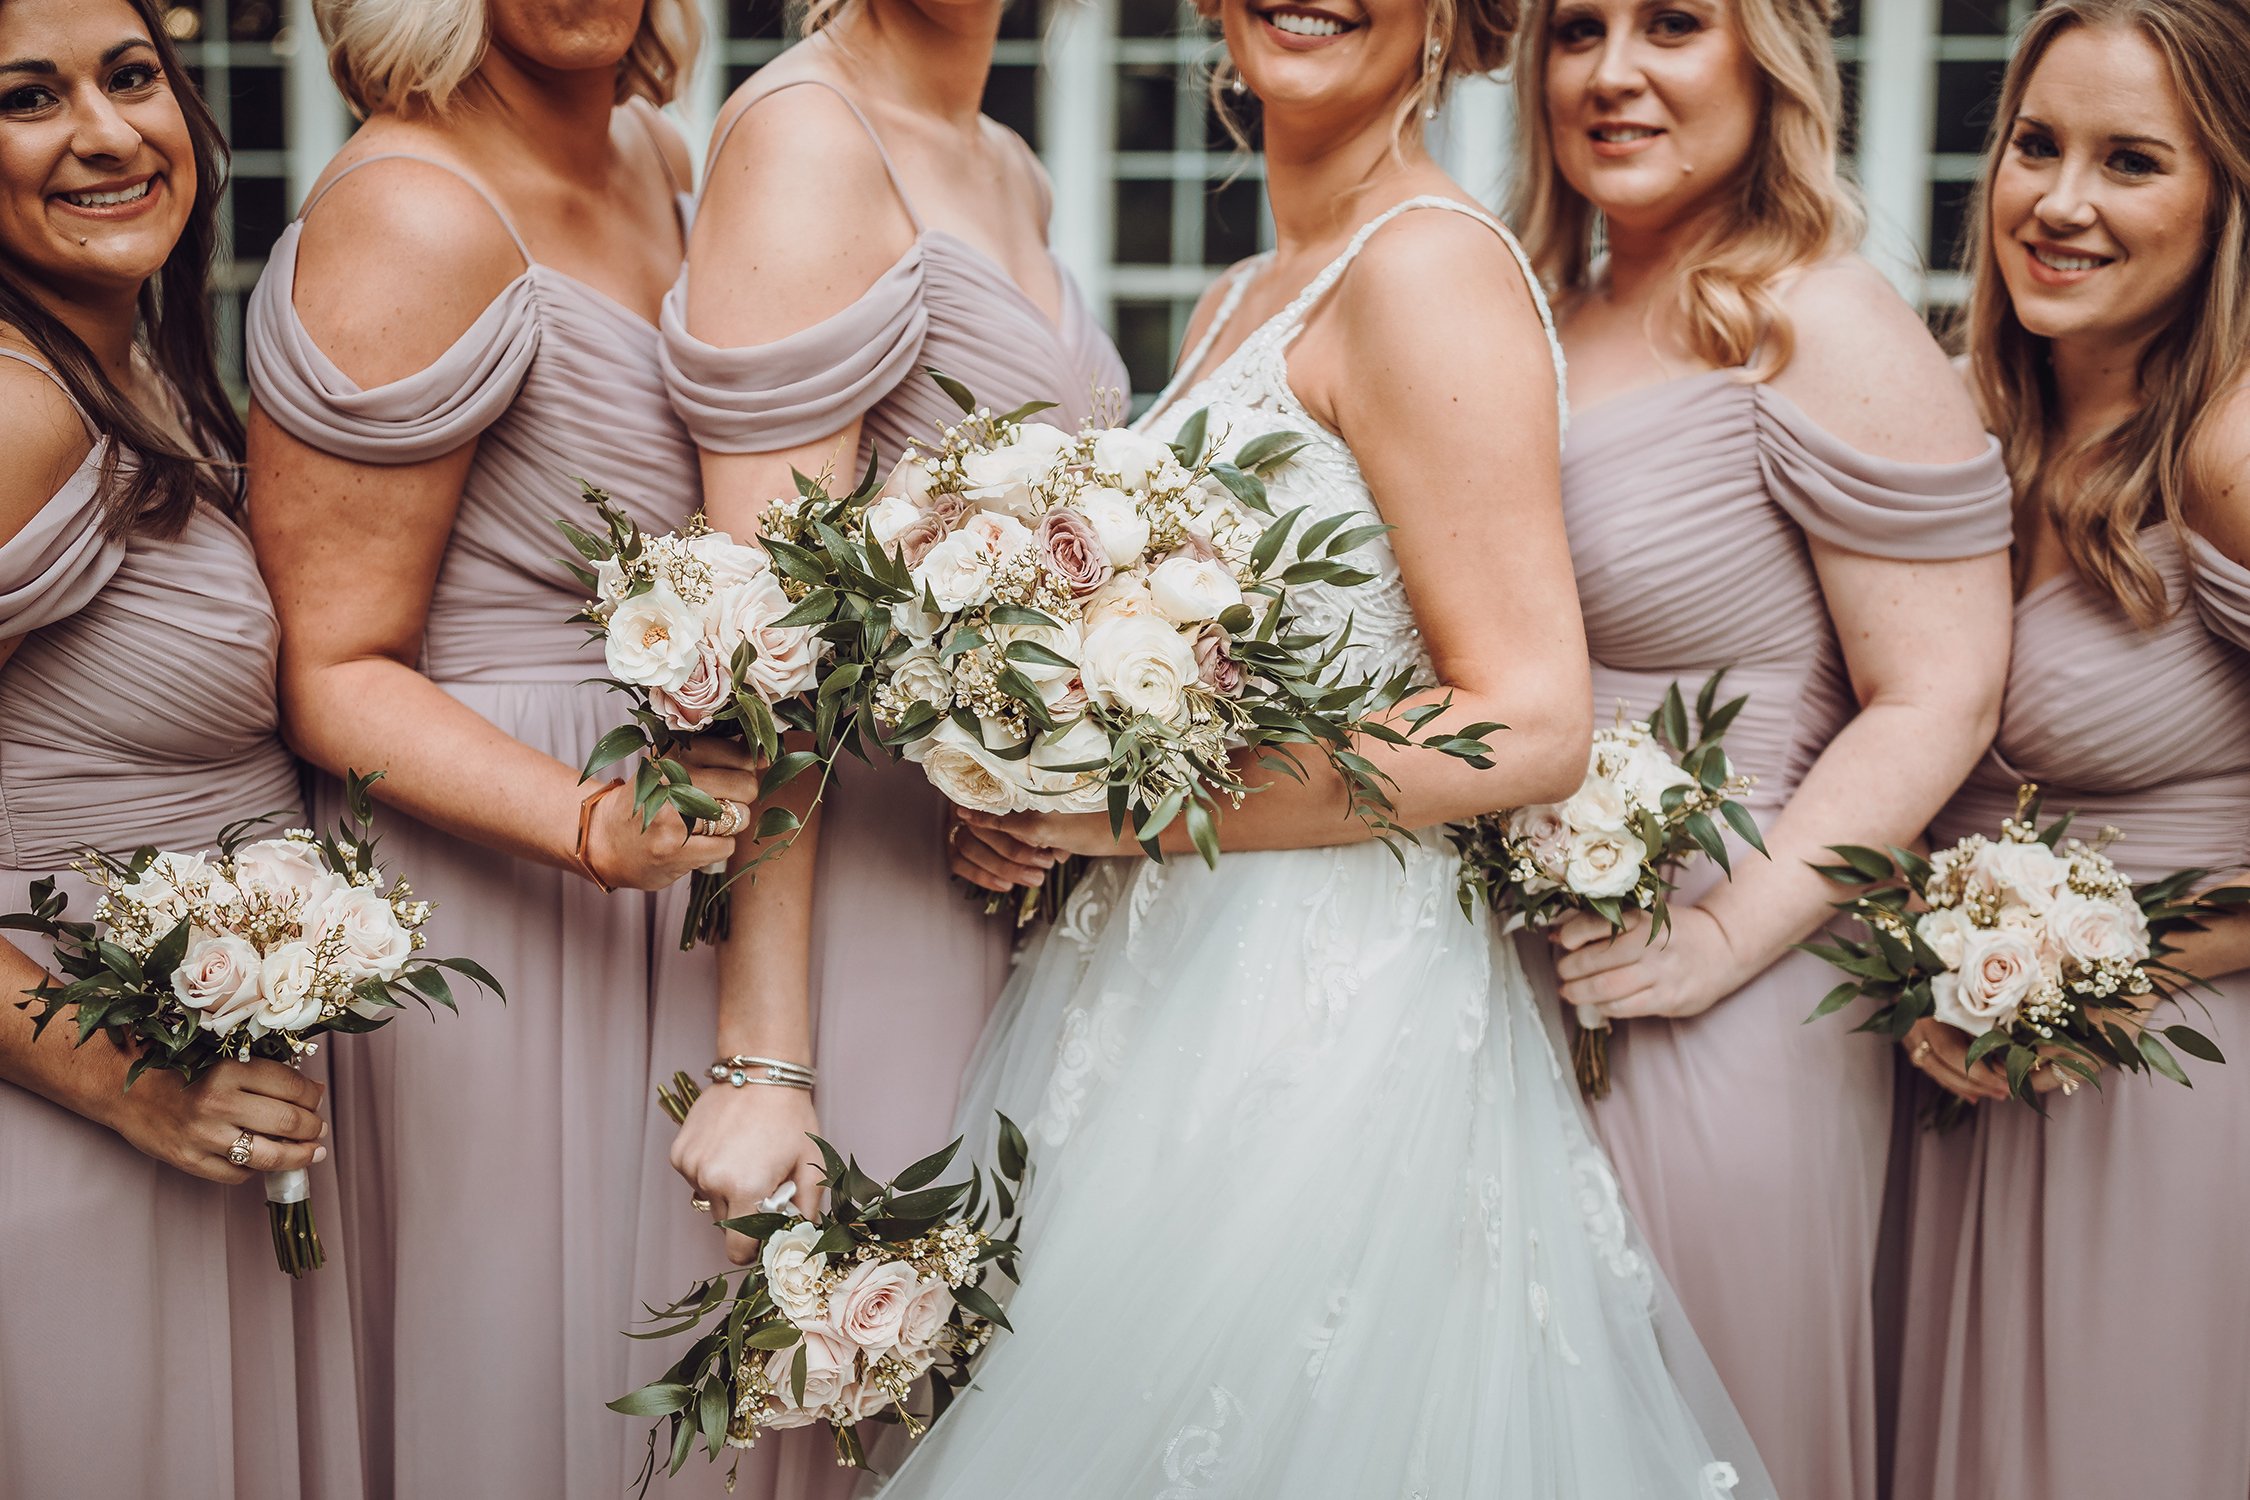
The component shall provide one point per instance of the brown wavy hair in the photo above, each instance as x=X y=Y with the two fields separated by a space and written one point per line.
x=1790 y=206
x=151 y=482
x=2144 y=468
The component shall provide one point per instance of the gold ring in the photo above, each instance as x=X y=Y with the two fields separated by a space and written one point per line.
x=699 y=1203
x=239 y=1152
x=1922 y=1050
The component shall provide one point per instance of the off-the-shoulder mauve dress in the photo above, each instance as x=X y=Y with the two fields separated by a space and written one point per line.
x=2076 y=1309
x=1751 y=1146
x=904 y=964
x=512 y=1201
x=147 y=1341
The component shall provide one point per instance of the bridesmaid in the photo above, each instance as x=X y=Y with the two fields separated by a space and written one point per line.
x=136 y=706
x=461 y=325
x=2076 y=1311
x=862 y=221
x=1768 y=471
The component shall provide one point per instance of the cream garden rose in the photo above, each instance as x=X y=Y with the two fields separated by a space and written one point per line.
x=870 y=1307
x=1999 y=970
x=1602 y=863
x=794 y=1267
x=374 y=944
x=1187 y=591
x=651 y=639
x=287 y=984
x=1140 y=666
x=218 y=975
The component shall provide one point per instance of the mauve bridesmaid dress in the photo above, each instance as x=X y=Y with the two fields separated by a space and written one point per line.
x=905 y=964
x=2077 y=1314
x=512 y=1202
x=1752 y=1147
x=147 y=1341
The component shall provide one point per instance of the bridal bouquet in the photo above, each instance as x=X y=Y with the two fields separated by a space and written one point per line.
x=253 y=950
x=843 y=1320
x=2032 y=943
x=698 y=632
x=1089 y=621
x=1651 y=800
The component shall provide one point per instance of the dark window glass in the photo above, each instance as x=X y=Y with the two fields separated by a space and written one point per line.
x=1021 y=21
x=1148 y=17
x=756 y=20
x=1966 y=95
x=1847 y=136
x=1973 y=17
x=1144 y=107
x=1144 y=337
x=738 y=74
x=1847 y=18
x=1949 y=219
x=1011 y=96
x=261 y=209
x=253 y=20
x=257 y=122
x=1244 y=109
x=1230 y=220
x=1144 y=223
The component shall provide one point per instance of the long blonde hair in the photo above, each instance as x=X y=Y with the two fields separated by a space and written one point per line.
x=1790 y=206
x=2145 y=466
x=410 y=55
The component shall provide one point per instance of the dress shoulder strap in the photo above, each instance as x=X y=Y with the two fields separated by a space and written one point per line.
x=429 y=161
x=890 y=168
x=1292 y=319
x=642 y=110
x=1191 y=363
x=51 y=373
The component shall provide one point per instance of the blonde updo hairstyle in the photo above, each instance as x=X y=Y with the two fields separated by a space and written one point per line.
x=2101 y=493
x=1473 y=37
x=407 y=56
x=1790 y=208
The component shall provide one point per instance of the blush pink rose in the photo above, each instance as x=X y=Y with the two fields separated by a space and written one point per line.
x=923 y=1320
x=917 y=537
x=829 y=1361
x=869 y=1308
x=1073 y=551
x=1221 y=673
x=697 y=700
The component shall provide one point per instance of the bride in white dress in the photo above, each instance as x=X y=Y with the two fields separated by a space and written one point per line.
x=1314 y=1213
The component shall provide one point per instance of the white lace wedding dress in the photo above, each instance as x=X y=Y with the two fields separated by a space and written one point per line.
x=1314 y=1214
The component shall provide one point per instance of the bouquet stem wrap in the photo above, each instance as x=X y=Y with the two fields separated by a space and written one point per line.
x=296 y=1241
x=1589 y=1051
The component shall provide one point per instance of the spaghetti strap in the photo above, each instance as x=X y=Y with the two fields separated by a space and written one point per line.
x=890 y=168
x=430 y=161
x=53 y=374
x=1292 y=318
x=648 y=118
x=1192 y=362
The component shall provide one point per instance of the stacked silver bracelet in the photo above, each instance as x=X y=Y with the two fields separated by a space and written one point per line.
x=739 y=1070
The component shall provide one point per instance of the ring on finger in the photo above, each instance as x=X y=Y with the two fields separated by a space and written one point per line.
x=699 y=1203
x=238 y=1154
x=1921 y=1049
x=732 y=819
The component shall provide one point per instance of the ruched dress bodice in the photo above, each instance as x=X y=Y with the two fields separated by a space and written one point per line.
x=1753 y=1147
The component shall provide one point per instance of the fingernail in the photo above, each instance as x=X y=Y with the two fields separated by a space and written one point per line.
x=320 y=1154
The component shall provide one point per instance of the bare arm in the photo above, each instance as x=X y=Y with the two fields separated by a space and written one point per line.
x=395 y=266
x=1926 y=645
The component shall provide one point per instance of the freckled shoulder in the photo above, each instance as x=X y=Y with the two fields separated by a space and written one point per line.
x=2219 y=477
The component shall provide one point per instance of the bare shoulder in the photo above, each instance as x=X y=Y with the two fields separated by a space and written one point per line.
x=670 y=143
x=1445 y=283
x=2219 y=471
x=396 y=260
x=42 y=436
x=1867 y=369
x=792 y=171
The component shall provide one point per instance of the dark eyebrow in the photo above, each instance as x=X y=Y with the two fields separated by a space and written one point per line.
x=46 y=65
x=2157 y=141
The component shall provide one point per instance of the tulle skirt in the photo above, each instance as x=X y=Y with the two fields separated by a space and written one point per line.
x=1314 y=1213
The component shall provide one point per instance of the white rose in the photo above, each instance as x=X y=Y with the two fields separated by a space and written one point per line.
x=2091 y=931
x=2030 y=873
x=927 y=1312
x=609 y=583
x=971 y=776
x=1122 y=598
x=1603 y=863
x=1650 y=771
x=785 y=658
x=1082 y=743
x=730 y=561
x=1999 y=970
x=1186 y=590
x=918 y=676
x=164 y=902
x=1946 y=932
x=1139 y=665
x=957 y=573
x=651 y=639
x=793 y=1271
x=285 y=873
x=911 y=620
x=1598 y=805
x=285 y=1000
x=1117 y=521
x=1002 y=479
x=889 y=516
x=218 y=975
x=1063 y=639
x=374 y=943
x=1134 y=457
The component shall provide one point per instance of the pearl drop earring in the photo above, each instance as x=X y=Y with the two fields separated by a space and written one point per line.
x=1237 y=87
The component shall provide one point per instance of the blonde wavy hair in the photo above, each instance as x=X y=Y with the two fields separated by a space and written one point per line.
x=411 y=55
x=1790 y=208
x=2146 y=466
x=1466 y=38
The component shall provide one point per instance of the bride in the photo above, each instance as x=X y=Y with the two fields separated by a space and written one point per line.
x=1314 y=1212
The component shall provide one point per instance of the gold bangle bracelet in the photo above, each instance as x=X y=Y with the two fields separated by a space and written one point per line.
x=579 y=854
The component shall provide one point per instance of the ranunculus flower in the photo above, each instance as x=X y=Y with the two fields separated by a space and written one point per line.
x=218 y=975
x=1134 y=457
x=1220 y=672
x=1999 y=970
x=828 y=1364
x=697 y=700
x=651 y=639
x=2092 y=931
x=1945 y=931
x=868 y=1307
x=1602 y=862
x=1073 y=551
x=968 y=774
x=1117 y=521
x=730 y=561
x=793 y=1270
x=1188 y=590
x=1001 y=479
x=1139 y=665
x=374 y=943
x=285 y=983
x=1122 y=598
x=1597 y=804
x=284 y=872
x=956 y=573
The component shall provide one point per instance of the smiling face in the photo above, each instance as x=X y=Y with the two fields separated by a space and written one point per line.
x=97 y=171
x=1339 y=58
x=1653 y=107
x=2102 y=194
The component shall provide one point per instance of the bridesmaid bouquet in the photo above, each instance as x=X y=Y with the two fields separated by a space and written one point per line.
x=698 y=632
x=1081 y=622
x=2032 y=943
x=842 y=1320
x=254 y=950
x=1650 y=801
